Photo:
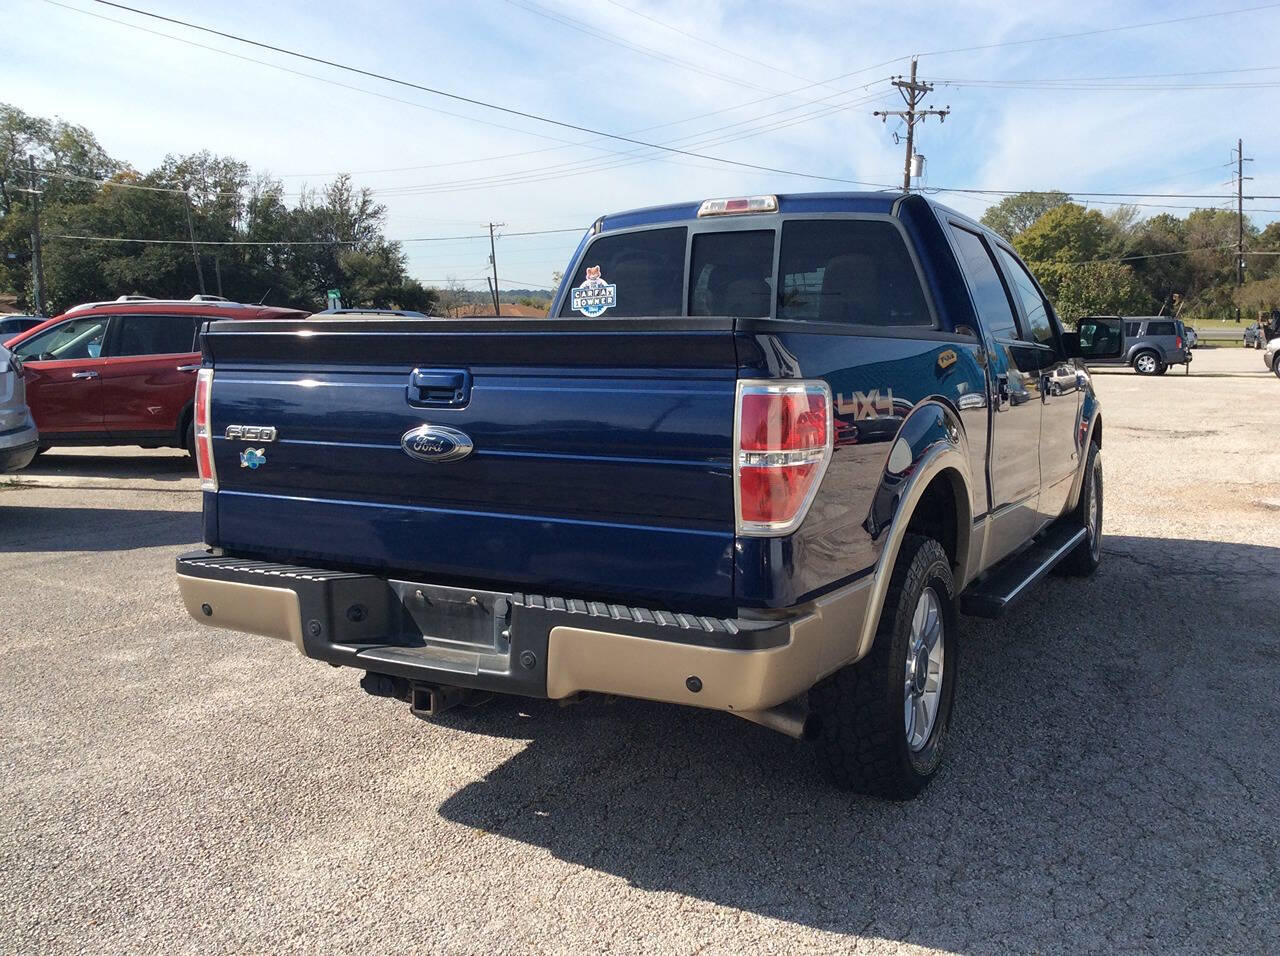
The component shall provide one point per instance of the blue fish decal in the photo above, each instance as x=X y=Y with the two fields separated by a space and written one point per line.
x=253 y=457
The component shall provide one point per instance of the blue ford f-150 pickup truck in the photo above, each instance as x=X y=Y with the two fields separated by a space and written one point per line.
x=759 y=458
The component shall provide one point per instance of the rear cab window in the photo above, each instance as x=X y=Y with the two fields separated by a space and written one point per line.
x=1162 y=328
x=850 y=270
x=630 y=274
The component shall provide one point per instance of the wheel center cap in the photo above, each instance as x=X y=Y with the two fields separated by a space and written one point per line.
x=920 y=672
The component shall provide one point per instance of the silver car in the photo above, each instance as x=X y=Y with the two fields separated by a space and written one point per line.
x=18 y=437
x=1271 y=357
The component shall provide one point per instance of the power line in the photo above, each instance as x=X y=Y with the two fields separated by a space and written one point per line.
x=596 y=164
x=713 y=45
x=674 y=150
x=511 y=111
x=1101 y=30
x=303 y=242
x=1125 y=76
x=1153 y=255
x=580 y=26
x=565 y=144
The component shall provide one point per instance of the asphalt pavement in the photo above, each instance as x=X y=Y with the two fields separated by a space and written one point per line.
x=1112 y=783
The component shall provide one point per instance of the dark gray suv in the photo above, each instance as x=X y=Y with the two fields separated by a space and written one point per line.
x=1151 y=344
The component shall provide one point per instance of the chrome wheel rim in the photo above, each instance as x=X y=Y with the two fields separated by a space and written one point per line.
x=922 y=687
x=1093 y=520
x=1146 y=363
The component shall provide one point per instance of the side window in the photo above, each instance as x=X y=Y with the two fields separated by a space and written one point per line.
x=989 y=295
x=630 y=274
x=1161 y=328
x=1039 y=324
x=155 y=335
x=1131 y=329
x=73 y=339
x=731 y=274
x=855 y=271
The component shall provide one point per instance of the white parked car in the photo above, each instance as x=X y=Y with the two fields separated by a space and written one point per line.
x=18 y=437
x=1271 y=357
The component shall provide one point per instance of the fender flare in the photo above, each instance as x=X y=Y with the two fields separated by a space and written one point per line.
x=1088 y=431
x=941 y=449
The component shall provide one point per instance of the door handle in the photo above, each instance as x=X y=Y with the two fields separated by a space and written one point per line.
x=1003 y=395
x=188 y=368
x=88 y=374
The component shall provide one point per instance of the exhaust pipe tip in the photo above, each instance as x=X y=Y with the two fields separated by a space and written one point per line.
x=792 y=719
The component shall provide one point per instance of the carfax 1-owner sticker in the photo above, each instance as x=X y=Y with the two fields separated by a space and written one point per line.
x=594 y=295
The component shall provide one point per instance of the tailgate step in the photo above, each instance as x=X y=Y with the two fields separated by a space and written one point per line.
x=991 y=595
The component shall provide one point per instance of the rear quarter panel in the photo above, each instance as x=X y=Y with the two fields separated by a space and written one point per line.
x=923 y=388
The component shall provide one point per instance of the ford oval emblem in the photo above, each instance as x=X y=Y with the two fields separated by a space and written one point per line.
x=436 y=443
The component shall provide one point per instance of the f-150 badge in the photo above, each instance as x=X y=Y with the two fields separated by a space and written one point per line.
x=253 y=457
x=594 y=295
x=251 y=432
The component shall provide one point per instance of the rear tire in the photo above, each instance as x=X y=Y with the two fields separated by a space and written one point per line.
x=1147 y=363
x=882 y=721
x=190 y=444
x=1084 y=560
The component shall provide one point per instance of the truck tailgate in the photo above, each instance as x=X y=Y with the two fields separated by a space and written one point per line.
x=601 y=462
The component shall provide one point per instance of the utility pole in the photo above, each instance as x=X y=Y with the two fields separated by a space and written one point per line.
x=493 y=261
x=1241 y=159
x=37 y=264
x=191 y=231
x=913 y=93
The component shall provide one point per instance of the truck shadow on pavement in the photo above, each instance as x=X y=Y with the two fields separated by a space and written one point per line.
x=1110 y=782
x=49 y=529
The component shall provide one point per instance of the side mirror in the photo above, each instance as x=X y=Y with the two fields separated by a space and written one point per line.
x=1100 y=338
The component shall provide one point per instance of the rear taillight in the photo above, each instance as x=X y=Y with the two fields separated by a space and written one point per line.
x=204 y=433
x=782 y=444
x=1179 y=342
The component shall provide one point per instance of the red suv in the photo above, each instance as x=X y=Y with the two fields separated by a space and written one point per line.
x=122 y=372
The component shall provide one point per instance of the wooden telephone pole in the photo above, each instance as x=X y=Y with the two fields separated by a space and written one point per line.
x=493 y=261
x=913 y=93
x=1241 y=159
x=37 y=264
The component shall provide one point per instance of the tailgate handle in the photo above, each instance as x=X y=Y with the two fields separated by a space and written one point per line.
x=437 y=388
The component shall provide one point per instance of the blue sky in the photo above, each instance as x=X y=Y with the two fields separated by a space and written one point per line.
x=748 y=81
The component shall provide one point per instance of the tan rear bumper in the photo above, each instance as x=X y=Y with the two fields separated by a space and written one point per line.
x=271 y=612
x=578 y=651
x=821 y=639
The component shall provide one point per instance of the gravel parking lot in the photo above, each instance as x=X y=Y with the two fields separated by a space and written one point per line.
x=1112 y=783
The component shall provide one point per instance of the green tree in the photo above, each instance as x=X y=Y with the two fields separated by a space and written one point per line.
x=1013 y=215
x=1068 y=233
x=1258 y=296
x=1094 y=288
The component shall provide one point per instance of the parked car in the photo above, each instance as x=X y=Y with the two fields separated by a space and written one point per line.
x=18 y=436
x=11 y=325
x=1254 y=336
x=121 y=372
x=1271 y=357
x=670 y=494
x=1193 y=339
x=1151 y=344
